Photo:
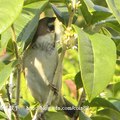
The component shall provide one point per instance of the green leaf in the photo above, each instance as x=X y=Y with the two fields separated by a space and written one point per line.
x=100 y=118
x=116 y=88
x=101 y=102
x=110 y=22
x=83 y=116
x=5 y=73
x=97 y=12
x=92 y=7
x=78 y=80
x=89 y=5
x=114 y=25
x=114 y=115
x=58 y=13
x=71 y=57
x=86 y=14
x=27 y=117
x=30 y=1
x=116 y=103
x=24 y=90
x=114 y=5
x=5 y=37
x=58 y=1
x=1 y=65
x=2 y=116
x=55 y=116
x=61 y=13
x=99 y=15
x=26 y=24
x=9 y=11
x=97 y=54
x=53 y=1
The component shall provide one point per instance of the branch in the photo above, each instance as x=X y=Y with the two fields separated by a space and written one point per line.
x=72 y=12
x=8 y=95
x=18 y=66
x=18 y=70
x=51 y=93
x=56 y=76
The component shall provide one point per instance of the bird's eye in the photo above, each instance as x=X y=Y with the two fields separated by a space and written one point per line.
x=51 y=26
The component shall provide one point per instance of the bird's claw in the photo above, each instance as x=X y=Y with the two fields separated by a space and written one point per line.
x=53 y=88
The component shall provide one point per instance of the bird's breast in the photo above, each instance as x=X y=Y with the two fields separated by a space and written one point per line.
x=40 y=65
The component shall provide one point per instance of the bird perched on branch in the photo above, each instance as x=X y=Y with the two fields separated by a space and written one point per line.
x=40 y=61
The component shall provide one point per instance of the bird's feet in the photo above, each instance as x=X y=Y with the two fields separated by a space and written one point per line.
x=53 y=88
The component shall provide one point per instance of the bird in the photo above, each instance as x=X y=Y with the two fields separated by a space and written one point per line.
x=39 y=63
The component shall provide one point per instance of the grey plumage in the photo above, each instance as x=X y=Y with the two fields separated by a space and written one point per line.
x=40 y=61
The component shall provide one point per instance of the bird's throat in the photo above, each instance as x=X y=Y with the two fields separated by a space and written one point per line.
x=45 y=42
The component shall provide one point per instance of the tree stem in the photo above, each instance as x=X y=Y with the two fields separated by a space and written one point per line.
x=72 y=12
x=18 y=70
x=56 y=76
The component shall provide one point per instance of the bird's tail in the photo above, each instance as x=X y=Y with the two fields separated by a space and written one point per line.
x=67 y=107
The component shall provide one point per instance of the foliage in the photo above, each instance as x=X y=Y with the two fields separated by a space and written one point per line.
x=92 y=37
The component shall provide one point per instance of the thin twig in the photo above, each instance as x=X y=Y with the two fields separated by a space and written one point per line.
x=72 y=12
x=56 y=76
x=51 y=93
x=18 y=70
x=18 y=66
x=18 y=86
x=8 y=94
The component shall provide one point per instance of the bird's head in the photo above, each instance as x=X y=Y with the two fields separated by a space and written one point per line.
x=45 y=26
x=45 y=34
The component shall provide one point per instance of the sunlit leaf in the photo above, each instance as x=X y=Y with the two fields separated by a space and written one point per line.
x=114 y=115
x=28 y=97
x=30 y=1
x=116 y=103
x=2 y=116
x=94 y=56
x=26 y=24
x=5 y=37
x=5 y=73
x=114 y=5
x=101 y=102
x=9 y=11
x=92 y=7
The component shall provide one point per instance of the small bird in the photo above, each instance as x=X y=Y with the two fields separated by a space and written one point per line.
x=40 y=61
